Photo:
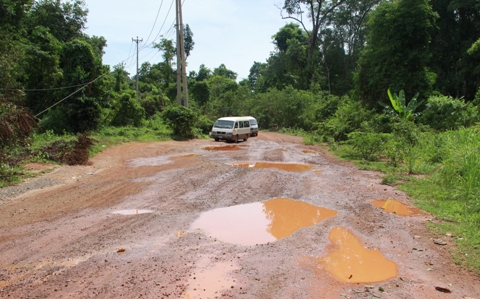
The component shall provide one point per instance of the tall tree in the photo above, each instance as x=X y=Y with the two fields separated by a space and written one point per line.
x=12 y=47
x=397 y=53
x=66 y=20
x=80 y=65
x=169 y=52
x=42 y=69
x=317 y=12
x=458 y=29
x=224 y=72
x=188 y=40
x=342 y=38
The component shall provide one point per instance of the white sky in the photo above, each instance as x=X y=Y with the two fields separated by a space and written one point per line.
x=235 y=33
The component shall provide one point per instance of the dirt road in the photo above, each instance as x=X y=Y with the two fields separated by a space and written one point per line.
x=191 y=220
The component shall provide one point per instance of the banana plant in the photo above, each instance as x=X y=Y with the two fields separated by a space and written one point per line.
x=404 y=111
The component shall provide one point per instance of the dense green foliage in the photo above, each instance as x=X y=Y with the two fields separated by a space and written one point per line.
x=331 y=67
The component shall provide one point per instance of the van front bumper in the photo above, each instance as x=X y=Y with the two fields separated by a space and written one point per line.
x=221 y=135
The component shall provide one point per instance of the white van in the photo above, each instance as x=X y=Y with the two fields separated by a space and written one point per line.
x=253 y=126
x=231 y=128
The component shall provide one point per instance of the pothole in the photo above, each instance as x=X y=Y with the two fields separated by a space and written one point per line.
x=282 y=166
x=132 y=212
x=260 y=222
x=309 y=152
x=353 y=263
x=3 y=284
x=396 y=207
x=187 y=156
x=209 y=282
x=233 y=147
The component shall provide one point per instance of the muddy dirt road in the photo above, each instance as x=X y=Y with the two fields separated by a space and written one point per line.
x=267 y=218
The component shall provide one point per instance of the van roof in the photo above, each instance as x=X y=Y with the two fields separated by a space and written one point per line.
x=234 y=118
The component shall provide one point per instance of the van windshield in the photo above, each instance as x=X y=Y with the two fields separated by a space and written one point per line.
x=223 y=124
x=253 y=121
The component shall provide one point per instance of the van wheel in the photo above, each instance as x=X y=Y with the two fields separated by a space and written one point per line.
x=235 y=139
x=245 y=138
x=217 y=139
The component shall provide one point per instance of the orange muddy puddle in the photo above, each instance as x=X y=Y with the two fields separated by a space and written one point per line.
x=234 y=147
x=260 y=222
x=132 y=212
x=318 y=171
x=3 y=284
x=281 y=166
x=209 y=283
x=309 y=152
x=187 y=156
x=394 y=206
x=353 y=263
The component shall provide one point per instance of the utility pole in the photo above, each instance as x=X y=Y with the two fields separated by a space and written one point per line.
x=181 y=63
x=137 y=41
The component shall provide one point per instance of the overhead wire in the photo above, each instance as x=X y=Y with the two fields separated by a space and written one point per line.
x=85 y=85
x=125 y=61
x=154 y=23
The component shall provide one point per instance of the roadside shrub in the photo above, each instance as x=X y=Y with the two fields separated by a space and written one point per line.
x=129 y=111
x=323 y=106
x=204 y=124
x=368 y=146
x=16 y=124
x=152 y=104
x=447 y=113
x=181 y=119
x=402 y=147
x=54 y=120
x=347 y=118
x=461 y=162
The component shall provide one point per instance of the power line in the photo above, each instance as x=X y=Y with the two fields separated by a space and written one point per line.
x=168 y=13
x=154 y=23
x=71 y=94
x=44 y=89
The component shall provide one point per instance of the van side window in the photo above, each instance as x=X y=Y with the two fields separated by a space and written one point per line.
x=236 y=125
x=241 y=124
x=246 y=124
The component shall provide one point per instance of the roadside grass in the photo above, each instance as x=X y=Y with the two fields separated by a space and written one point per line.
x=111 y=136
x=13 y=172
x=441 y=173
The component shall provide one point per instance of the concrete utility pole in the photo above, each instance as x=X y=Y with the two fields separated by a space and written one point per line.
x=137 y=41
x=181 y=63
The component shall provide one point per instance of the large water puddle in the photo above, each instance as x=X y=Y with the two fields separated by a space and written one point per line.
x=233 y=147
x=394 y=206
x=281 y=166
x=209 y=282
x=260 y=222
x=132 y=212
x=351 y=262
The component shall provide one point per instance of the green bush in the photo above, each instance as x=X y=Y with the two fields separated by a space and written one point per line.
x=368 y=146
x=204 y=124
x=54 y=120
x=129 y=111
x=348 y=118
x=153 y=104
x=181 y=119
x=447 y=113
